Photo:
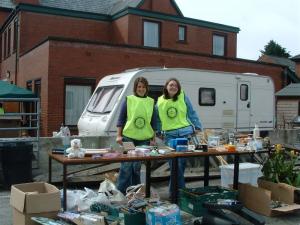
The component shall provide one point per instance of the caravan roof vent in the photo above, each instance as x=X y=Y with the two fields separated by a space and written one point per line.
x=144 y=68
x=251 y=74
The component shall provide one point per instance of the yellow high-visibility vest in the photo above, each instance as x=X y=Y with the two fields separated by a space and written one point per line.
x=173 y=114
x=139 y=115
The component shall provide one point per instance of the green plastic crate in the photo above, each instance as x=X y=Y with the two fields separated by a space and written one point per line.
x=135 y=218
x=191 y=199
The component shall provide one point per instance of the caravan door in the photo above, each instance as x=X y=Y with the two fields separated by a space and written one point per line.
x=243 y=105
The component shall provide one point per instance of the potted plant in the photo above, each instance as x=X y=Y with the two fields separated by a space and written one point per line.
x=280 y=167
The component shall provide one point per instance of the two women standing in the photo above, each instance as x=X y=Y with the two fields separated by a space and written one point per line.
x=137 y=123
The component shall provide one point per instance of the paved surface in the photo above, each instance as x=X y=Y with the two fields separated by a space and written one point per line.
x=5 y=210
x=162 y=188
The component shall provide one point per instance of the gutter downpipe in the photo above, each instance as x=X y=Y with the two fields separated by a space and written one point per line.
x=17 y=46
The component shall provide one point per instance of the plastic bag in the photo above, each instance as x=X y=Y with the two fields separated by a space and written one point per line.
x=73 y=197
x=111 y=191
x=79 y=200
x=135 y=192
x=138 y=192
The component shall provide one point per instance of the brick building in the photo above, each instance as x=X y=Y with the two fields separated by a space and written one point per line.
x=60 y=50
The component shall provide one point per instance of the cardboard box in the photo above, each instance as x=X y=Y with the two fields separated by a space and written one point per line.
x=259 y=199
x=34 y=199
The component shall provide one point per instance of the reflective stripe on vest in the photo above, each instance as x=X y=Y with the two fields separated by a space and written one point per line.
x=172 y=113
x=139 y=115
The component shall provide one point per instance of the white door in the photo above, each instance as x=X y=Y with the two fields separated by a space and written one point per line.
x=243 y=105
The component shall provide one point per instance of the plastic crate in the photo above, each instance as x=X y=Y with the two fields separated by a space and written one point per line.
x=191 y=199
x=135 y=218
x=248 y=173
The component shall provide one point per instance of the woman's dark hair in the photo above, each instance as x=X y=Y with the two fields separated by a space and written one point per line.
x=165 y=90
x=142 y=80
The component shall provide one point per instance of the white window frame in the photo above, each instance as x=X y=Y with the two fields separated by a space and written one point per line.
x=207 y=96
x=151 y=34
x=244 y=92
x=182 y=33
x=219 y=43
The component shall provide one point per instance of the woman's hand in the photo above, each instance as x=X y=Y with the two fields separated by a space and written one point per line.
x=160 y=135
x=152 y=142
x=197 y=132
x=119 y=140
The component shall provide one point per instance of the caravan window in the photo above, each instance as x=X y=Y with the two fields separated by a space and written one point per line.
x=104 y=99
x=155 y=91
x=244 y=92
x=207 y=96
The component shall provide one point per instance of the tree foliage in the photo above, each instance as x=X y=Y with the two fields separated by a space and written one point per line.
x=274 y=49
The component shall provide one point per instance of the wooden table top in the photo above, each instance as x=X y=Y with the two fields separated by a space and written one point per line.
x=127 y=157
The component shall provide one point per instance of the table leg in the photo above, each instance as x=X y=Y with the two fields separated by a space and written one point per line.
x=174 y=174
x=236 y=171
x=148 y=178
x=206 y=171
x=65 y=187
x=252 y=157
x=49 y=170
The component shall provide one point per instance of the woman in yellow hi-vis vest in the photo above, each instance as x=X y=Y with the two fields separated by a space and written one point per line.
x=1 y=108
x=177 y=119
x=135 y=124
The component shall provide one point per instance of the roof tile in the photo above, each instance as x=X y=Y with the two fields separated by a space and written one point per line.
x=108 y=7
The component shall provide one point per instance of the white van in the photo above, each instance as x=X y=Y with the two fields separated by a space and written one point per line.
x=223 y=100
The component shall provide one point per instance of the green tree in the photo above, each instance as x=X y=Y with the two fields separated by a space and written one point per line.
x=274 y=49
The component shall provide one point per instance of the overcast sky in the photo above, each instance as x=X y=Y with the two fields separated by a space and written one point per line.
x=259 y=21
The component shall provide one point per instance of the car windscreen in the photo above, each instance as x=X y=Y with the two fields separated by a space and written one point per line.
x=104 y=99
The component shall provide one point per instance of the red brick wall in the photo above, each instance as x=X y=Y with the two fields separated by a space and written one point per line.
x=120 y=30
x=298 y=68
x=126 y=30
x=36 y=27
x=8 y=65
x=33 y=66
x=33 y=2
x=199 y=39
x=96 y=61
x=163 y=6
x=3 y=16
x=135 y=30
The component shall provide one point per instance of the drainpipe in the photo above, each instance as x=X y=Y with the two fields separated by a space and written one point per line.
x=17 y=47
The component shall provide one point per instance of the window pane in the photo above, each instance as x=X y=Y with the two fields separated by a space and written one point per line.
x=104 y=99
x=218 y=45
x=113 y=99
x=155 y=91
x=244 y=92
x=151 y=34
x=207 y=96
x=181 y=33
x=75 y=101
x=29 y=85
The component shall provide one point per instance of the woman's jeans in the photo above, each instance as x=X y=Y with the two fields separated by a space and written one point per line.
x=130 y=172
x=181 y=165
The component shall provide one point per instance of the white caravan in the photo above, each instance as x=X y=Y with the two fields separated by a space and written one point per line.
x=223 y=100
